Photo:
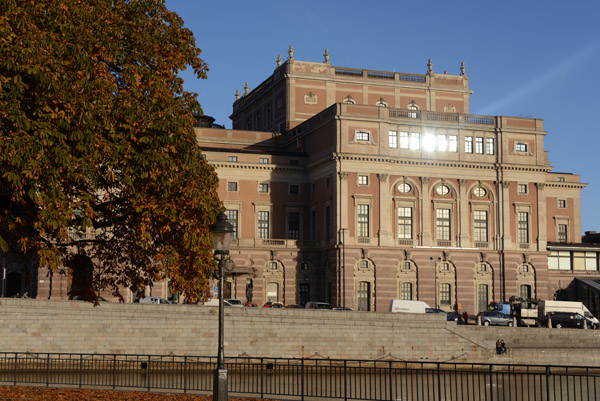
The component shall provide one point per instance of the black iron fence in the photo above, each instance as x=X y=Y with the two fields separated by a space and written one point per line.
x=306 y=379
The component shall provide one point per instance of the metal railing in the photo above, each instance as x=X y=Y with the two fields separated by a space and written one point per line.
x=295 y=378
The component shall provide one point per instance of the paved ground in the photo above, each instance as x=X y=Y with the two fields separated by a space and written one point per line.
x=60 y=394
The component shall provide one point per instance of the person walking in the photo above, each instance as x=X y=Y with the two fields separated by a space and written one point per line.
x=466 y=317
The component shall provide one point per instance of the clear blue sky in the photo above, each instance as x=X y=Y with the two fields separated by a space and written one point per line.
x=530 y=58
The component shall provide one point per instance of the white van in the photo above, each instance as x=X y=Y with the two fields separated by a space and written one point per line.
x=154 y=300
x=403 y=306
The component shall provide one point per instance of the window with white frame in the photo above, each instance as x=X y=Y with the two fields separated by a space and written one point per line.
x=415 y=141
x=442 y=143
x=263 y=224
x=562 y=232
x=469 y=144
x=393 y=139
x=452 y=143
x=232 y=217
x=445 y=293
x=559 y=260
x=232 y=158
x=520 y=147
x=562 y=203
x=479 y=145
x=363 y=220
x=232 y=186
x=585 y=261
x=405 y=223
x=263 y=187
x=489 y=146
x=403 y=140
x=522 y=189
x=442 y=224
x=362 y=136
x=523 y=222
x=263 y=160
x=363 y=180
x=480 y=226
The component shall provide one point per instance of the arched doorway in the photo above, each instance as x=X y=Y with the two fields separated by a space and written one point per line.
x=14 y=284
x=81 y=274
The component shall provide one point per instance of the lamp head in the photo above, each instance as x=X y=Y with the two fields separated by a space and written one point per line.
x=221 y=234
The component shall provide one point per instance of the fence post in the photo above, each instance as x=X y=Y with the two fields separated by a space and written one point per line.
x=491 y=383
x=439 y=386
x=548 y=382
x=48 y=370
x=345 y=380
x=80 y=369
x=262 y=378
x=185 y=374
x=15 y=371
x=302 y=379
x=391 y=381
x=114 y=375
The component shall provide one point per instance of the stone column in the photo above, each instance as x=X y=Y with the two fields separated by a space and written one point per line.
x=344 y=202
x=464 y=240
x=386 y=221
x=425 y=213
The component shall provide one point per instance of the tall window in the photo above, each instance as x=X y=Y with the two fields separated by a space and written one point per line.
x=405 y=223
x=406 y=291
x=313 y=225
x=263 y=187
x=482 y=297
x=363 y=220
x=232 y=217
x=562 y=232
x=445 y=294
x=489 y=146
x=480 y=226
x=263 y=224
x=443 y=224
x=327 y=222
x=363 y=180
x=522 y=189
x=272 y=292
x=525 y=291
x=364 y=296
x=442 y=143
x=393 y=137
x=304 y=291
x=469 y=144
x=404 y=140
x=293 y=225
x=479 y=145
x=452 y=143
x=415 y=140
x=523 y=227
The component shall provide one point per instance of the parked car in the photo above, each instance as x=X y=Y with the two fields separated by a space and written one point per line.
x=215 y=302
x=98 y=299
x=251 y=305
x=235 y=302
x=274 y=305
x=493 y=318
x=342 y=308
x=318 y=305
x=450 y=316
x=154 y=300
x=568 y=319
x=295 y=306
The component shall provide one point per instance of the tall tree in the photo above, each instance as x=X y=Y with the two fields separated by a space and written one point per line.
x=97 y=152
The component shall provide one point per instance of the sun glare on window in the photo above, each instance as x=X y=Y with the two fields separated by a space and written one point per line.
x=429 y=142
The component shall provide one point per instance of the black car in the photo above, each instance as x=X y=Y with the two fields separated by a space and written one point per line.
x=567 y=319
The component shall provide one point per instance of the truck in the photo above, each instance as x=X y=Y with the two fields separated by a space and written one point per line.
x=405 y=306
x=545 y=307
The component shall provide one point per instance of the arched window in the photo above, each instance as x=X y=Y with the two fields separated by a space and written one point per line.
x=482 y=297
x=406 y=291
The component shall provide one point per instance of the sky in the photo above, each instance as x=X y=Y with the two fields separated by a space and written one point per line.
x=534 y=58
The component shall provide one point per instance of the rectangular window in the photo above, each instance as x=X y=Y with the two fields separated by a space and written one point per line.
x=327 y=182
x=559 y=260
x=232 y=186
x=521 y=147
x=415 y=141
x=293 y=225
x=406 y=291
x=294 y=189
x=232 y=158
x=479 y=145
x=327 y=222
x=489 y=146
x=442 y=143
x=363 y=180
x=584 y=261
x=523 y=227
x=393 y=138
x=263 y=187
x=364 y=296
x=263 y=224
x=480 y=226
x=232 y=217
x=263 y=160
x=525 y=291
x=452 y=143
x=522 y=189
x=562 y=203
x=404 y=140
x=445 y=294
x=294 y=162
x=362 y=136
x=272 y=292
x=405 y=223
x=363 y=220
x=469 y=144
x=562 y=233
x=482 y=297
x=313 y=225
x=443 y=224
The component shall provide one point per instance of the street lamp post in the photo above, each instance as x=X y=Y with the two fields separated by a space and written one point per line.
x=221 y=234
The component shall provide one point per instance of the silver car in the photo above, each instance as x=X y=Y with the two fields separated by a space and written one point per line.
x=494 y=318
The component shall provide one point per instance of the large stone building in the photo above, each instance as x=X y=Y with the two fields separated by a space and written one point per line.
x=356 y=187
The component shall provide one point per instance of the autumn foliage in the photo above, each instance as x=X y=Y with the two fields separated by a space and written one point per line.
x=97 y=152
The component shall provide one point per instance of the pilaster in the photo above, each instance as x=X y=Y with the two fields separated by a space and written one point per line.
x=425 y=213
x=541 y=216
x=464 y=240
x=386 y=221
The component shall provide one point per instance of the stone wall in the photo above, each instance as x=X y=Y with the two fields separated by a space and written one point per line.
x=78 y=327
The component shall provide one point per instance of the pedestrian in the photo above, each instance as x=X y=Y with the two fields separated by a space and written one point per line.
x=502 y=347
x=466 y=317
x=499 y=346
